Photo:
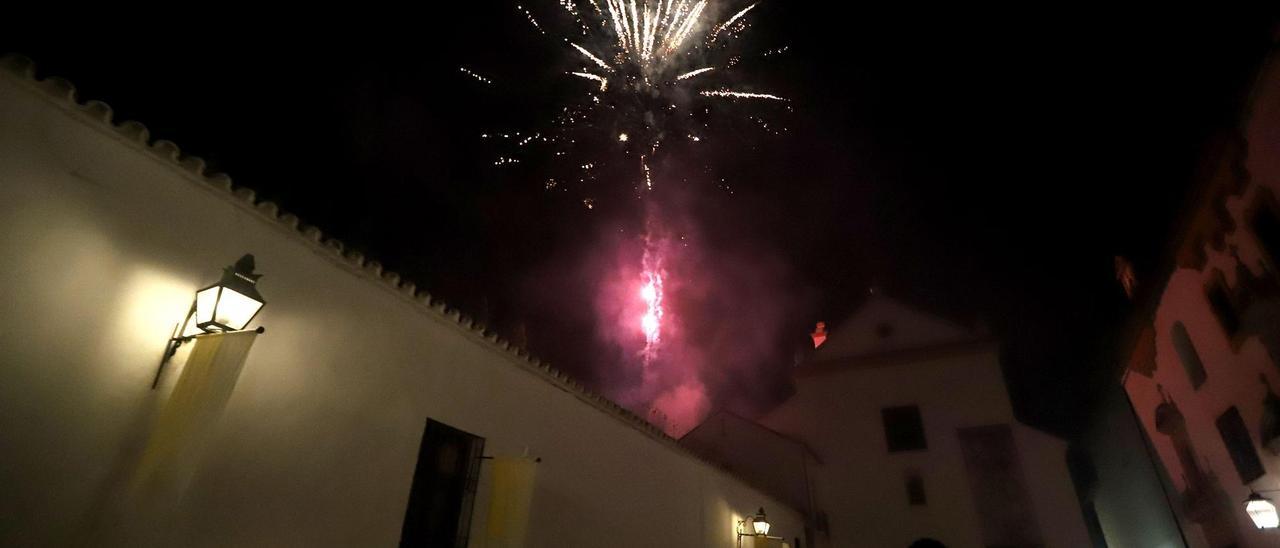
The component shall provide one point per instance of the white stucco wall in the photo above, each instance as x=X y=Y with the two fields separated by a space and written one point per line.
x=102 y=244
x=1232 y=373
x=771 y=461
x=1057 y=509
x=1232 y=380
x=860 y=485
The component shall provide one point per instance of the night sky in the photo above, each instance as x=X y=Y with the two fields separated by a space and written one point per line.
x=985 y=165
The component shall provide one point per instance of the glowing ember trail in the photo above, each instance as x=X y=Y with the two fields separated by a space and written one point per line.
x=604 y=84
x=693 y=73
x=651 y=293
x=730 y=22
x=651 y=323
x=599 y=62
x=741 y=95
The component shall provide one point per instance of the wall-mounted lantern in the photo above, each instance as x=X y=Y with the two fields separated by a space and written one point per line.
x=1262 y=511
x=755 y=526
x=760 y=523
x=233 y=302
x=223 y=307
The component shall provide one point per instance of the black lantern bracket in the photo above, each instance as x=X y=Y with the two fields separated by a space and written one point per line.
x=176 y=342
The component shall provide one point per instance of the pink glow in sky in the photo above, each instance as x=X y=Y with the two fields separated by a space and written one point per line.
x=651 y=294
x=682 y=321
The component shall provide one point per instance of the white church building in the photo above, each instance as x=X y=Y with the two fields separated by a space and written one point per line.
x=900 y=433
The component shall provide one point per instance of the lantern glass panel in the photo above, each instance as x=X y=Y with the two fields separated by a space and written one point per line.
x=761 y=527
x=206 y=303
x=235 y=309
x=1263 y=513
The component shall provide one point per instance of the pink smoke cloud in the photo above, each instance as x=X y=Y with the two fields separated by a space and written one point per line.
x=722 y=316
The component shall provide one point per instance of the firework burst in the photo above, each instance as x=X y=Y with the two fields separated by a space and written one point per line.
x=650 y=70
x=642 y=80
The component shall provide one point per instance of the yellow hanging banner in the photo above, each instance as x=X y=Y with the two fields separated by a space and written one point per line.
x=187 y=419
x=510 y=501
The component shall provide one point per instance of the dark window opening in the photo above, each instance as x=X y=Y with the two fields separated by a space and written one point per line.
x=903 y=428
x=915 y=490
x=1187 y=355
x=1265 y=225
x=444 y=488
x=1222 y=305
x=1235 y=435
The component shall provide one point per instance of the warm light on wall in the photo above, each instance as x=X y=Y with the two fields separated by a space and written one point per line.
x=1262 y=511
x=226 y=306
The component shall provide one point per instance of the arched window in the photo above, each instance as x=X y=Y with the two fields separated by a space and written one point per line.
x=1187 y=355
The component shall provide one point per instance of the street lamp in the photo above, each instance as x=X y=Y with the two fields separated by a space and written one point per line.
x=1262 y=511
x=224 y=307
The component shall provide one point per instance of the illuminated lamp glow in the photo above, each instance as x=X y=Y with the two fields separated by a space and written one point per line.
x=232 y=303
x=760 y=523
x=1262 y=511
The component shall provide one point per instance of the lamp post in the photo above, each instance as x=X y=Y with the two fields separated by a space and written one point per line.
x=223 y=307
x=1262 y=511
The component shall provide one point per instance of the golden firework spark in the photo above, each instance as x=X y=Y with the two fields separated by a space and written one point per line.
x=604 y=82
x=693 y=73
x=598 y=61
x=731 y=21
x=657 y=64
x=652 y=31
x=476 y=76
x=741 y=95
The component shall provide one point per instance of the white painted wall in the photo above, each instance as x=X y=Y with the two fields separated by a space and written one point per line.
x=860 y=485
x=768 y=459
x=102 y=244
x=1232 y=381
x=1233 y=373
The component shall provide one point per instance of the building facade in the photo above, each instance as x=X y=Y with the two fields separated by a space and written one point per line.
x=901 y=431
x=367 y=414
x=1203 y=369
